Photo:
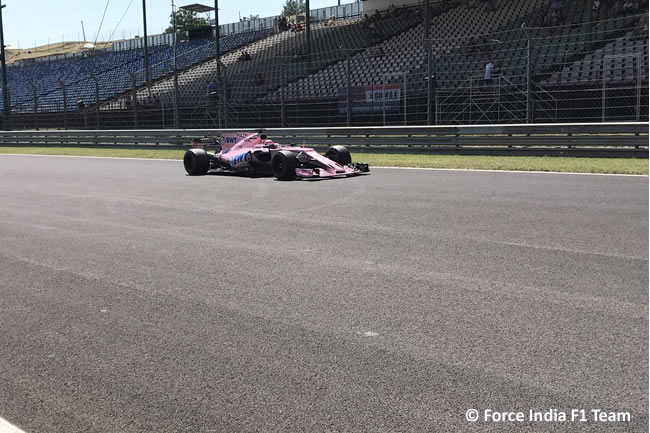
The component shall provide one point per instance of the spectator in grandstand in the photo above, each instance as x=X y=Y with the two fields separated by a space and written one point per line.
x=595 y=10
x=330 y=21
x=643 y=23
x=641 y=29
x=630 y=7
x=489 y=67
x=282 y=24
x=212 y=87
x=80 y=105
x=491 y=6
x=244 y=57
x=259 y=79
x=554 y=16
x=472 y=4
x=617 y=9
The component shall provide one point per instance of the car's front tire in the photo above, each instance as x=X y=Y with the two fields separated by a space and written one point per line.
x=196 y=162
x=284 y=165
x=339 y=154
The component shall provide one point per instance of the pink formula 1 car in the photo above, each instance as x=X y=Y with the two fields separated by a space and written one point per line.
x=254 y=154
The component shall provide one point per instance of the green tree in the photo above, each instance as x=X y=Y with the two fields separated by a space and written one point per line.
x=186 y=20
x=293 y=7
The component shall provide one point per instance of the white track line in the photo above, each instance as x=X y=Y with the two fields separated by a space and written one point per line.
x=7 y=427
x=479 y=170
x=475 y=170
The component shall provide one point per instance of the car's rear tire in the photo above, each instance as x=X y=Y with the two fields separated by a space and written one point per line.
x=284 y=165
x=196 y=162
x=339 y=154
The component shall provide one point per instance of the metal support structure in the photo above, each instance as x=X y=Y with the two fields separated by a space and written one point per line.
x=225 y=100
x=162 y=112
x=283 y=87
x=529 y=71
x=217 y=38
x=308 y=30
x=96 y=101
x=348 y=90
x=6 y=101
x=429 y=45
x=403 y=75
x=35 y=95
x=177 y=119
x=134 y=98
x=637 y=85
x=638 y=90
x=64 y=90
x=147 y=68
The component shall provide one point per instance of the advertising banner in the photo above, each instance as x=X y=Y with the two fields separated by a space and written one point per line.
x=379 y=98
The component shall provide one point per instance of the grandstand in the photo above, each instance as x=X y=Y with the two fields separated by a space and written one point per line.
x=549 y=65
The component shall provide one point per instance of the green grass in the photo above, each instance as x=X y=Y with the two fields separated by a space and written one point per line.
x=78 y=151
x=520 y=163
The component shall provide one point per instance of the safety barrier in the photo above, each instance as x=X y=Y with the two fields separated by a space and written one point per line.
x=562 y=139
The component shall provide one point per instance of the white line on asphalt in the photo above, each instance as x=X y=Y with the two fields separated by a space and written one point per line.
x=476 y=170
x=7 y=427
x=92 y=157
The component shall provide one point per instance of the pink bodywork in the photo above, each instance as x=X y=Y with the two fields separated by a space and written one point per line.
x=236 y=151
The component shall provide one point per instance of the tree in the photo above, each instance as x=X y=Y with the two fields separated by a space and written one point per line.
x=293 y=7
x=186 y=20
x=249 y=18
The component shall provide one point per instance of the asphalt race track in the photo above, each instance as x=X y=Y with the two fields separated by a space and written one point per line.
x=134 y=298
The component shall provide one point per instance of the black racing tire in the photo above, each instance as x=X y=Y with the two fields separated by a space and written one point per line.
x=339 y=154
x=196 y=162
x=284 y=165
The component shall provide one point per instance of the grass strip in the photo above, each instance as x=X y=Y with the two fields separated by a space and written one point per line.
x=517 y=163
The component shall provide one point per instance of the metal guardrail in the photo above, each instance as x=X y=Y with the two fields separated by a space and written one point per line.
x=566 y=139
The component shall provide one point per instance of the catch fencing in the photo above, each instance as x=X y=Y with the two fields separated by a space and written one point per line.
x=361 y=72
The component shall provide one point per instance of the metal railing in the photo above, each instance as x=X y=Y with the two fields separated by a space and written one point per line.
x=560 y=139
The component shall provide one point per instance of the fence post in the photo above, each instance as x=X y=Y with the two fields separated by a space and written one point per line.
x=35 y=93
x=283 y=107
x=134 y=97
x=225 y=100
x=96 y=101
x=427 y=37
x=348 y=88
x=405 y=95
x=65 y=103
x=218 y=95
x=528 y=77
x=638 y=88
x=6 y=112
x=162 y=111
x=436 y=118
x=603 y=104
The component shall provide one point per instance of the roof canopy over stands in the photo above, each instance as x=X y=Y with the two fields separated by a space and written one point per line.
x=198 y=8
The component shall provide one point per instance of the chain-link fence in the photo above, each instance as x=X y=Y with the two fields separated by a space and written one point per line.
x=524 y=63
